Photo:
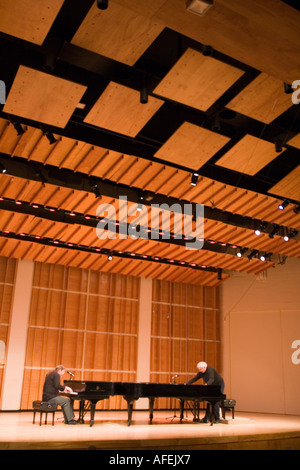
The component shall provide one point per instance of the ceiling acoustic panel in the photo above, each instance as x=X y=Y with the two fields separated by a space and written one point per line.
x=119 y=110
x=263 y=99
x=249 y=155
x=295 y=141
x=118 y=33
x=42 y=97
x=191 y=146
x=29 y=20
x=289 y=186
x=197 y=80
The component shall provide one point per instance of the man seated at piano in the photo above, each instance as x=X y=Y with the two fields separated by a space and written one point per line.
x=210 y=377
x=51 y=392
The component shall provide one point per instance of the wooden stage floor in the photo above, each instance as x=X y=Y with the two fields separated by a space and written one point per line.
x=111 y=432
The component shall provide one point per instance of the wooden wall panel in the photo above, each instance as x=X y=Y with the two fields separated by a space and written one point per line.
x=83 y=319
x=7 y=276
x=185 y=330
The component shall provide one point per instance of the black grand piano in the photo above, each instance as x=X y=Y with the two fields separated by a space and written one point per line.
x=93 y=391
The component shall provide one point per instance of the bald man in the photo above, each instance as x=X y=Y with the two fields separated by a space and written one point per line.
x=210 y=377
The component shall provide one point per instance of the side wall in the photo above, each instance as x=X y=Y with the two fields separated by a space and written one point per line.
x=261 y=338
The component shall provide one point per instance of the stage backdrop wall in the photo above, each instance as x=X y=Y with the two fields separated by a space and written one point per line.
x=94 y=324
x=261 y=334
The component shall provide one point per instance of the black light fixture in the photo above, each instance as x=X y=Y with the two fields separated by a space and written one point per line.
x=50 y=137
x=144 y=95
x=102 y=4
x=274 y=231
x=297 y=209
x=278 y=146
x=288 y=89
x=241 y=252
x=194 y=179
x=283 y=205
x=18 y=127
x=207 y=51
x=253 y=254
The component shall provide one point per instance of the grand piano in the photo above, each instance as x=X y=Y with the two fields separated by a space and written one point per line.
x=93 y=391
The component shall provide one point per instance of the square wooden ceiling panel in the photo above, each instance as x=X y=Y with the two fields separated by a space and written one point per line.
x=197 y=80
x=191 y=146
x=117 y=33
x=295 y=141
x=30 y=20
x=41 y=97
x=119 y=110
x=263 y=99
x=289 y=186
x=249 y=155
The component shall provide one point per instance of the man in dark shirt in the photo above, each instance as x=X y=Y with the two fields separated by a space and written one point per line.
x=210 y=377
x=52 y=387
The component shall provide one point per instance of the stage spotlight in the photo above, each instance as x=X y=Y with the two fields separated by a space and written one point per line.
x=283 y=205
x=274 y=231
x=297 y=209
x=2 y=168
x=293 y=233
x=109 y=258
x=253 y=254
x=241 y=252
x=262 y=257
x=102 y=4
x=194 y=179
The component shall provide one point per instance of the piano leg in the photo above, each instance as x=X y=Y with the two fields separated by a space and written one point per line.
x=181 y=409
x=211 y=413
x=151 y=407
x=81 y=412
x=93 y=408
x=130 y=402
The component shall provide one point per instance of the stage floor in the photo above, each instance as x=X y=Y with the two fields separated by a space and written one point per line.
x=111 y=432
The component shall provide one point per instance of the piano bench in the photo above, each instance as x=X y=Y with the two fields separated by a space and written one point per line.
x=44 y=407
x=227 y=405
